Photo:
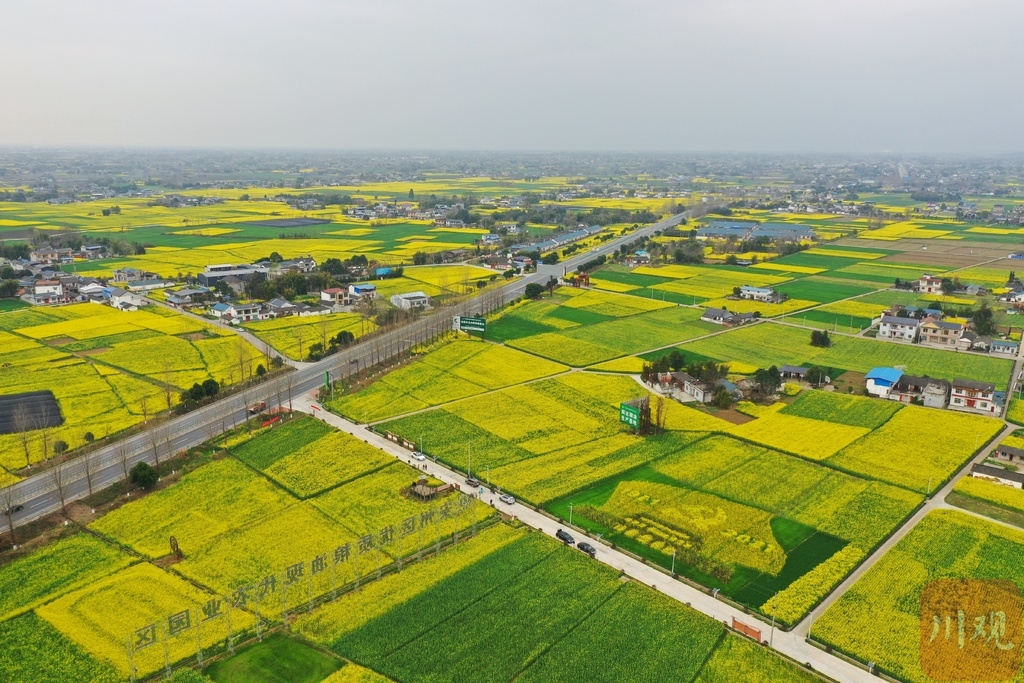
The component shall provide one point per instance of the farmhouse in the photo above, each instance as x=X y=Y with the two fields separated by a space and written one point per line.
x=929 y=284
x=940 y=333
x=337 y=296
x=932 y=393
x=213 y=274
x=723 y=230
x=793 y=372
x=147 y=285
x=719 y=316
x=48 y=292
x=757 y=293
x=411 y=300
x=361 y=290
x=880 y=381
x=998 y=475
x=902 y=329
x=1008 y=452
x=124 y=301
x=968 y=394
x=1003 y=346
x=238 y=313
x=133 y=275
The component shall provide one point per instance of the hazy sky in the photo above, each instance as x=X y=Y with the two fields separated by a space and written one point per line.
x=670 y=75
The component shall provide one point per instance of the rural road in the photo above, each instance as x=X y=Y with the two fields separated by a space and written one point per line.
x=40 y=493
x=790 y=644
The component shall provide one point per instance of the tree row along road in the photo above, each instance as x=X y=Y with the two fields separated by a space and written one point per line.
x=42 y=493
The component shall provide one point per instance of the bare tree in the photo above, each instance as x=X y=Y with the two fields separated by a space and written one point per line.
x=154 y=442
x=41 y=418
x=168 y=439
x=89 y=468
x=323 y=327
x=242 y=353
x=22 y=425
x=123 y=456
x=298 y=337
x=8 y=501
x=168 y=386
x=144 y=404
x=60 y=479
x=290 y=380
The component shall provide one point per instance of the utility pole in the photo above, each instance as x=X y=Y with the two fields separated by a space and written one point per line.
x=570 y=514
x=673 y=561
x=771 y=637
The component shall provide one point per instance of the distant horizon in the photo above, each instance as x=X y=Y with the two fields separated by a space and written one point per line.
x=682 y=76
x=499 y=152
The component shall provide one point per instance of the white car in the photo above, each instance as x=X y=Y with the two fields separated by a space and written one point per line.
x=507 y=499
x=416 y=455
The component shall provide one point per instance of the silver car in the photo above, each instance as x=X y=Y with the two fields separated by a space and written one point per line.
x=507 y=499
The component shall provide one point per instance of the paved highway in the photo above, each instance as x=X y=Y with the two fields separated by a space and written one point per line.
x=40 y=493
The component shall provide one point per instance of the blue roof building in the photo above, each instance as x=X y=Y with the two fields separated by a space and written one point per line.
x=880 y=381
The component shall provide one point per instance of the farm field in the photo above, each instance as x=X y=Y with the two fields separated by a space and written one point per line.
x=583 y=328
x=746 y=519
x=769 y=343
x=292 y=335
x=993 y=493
x=548 y=438
x=438 y=627
x=455 y=370
x=108 y=368
x=879 y=618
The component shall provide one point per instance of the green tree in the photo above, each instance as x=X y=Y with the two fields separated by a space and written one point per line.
x=723 y=399
x=982 y=321
x=947 y=286
x=420 y=258
x=821 y=339
x=59 y=446
x=768 y=380
x=816 y=375
x=533 y=290
x=676 y=360
x=210 y=387
x=143 y=475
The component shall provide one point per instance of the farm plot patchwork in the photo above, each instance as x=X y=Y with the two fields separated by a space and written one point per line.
x=748 y=520
x=547 y=438
x=191 y=511
x=589 y=344
x=108 y=368
x=457 y=370
x=879 y=618
x=942 y=442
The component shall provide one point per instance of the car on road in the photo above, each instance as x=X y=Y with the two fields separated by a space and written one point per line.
x=564 y=536
x=588 y=549
x=472 y=481
x=11 y=510
x=507 y=499
x=416 y=455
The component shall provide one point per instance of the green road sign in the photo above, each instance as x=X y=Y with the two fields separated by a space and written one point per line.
x=469 y=324
x=629 y=415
